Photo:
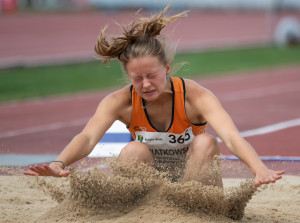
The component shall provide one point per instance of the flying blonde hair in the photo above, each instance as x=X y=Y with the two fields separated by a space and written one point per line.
x=139 y=38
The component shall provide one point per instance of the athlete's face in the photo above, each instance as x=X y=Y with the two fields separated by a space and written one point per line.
x=148 y=76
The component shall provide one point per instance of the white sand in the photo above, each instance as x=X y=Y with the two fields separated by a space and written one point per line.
x=21 y=200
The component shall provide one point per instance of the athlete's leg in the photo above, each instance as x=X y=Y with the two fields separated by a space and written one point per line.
x=137 y=152
x=203 y=161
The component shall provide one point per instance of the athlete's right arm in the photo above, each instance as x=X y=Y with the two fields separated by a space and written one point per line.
x=109 y=110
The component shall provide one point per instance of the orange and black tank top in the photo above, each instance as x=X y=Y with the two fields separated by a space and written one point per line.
x=170 y=146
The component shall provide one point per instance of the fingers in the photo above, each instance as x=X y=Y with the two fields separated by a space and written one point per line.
x=281 y=172
x=271 y=177
x=277 y=175
x=39 y=170
x=30 y=173
x=257 y=183
x=64 y=173
x=45 y=170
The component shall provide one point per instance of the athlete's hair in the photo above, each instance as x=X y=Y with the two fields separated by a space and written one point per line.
x=140 y=39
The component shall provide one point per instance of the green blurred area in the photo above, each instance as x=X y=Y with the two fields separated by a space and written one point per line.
x=26 y=83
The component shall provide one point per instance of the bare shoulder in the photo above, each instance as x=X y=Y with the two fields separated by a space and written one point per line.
x=196 y=98
x=117 y=99
x=199 y=99
x=117 y=104
x=120 y=96
x=195 y=90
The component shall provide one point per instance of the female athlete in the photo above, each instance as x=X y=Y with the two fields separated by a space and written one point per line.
x=167 y=116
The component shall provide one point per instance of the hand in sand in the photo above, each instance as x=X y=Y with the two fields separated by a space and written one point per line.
x=266 y=176
x=45 y=170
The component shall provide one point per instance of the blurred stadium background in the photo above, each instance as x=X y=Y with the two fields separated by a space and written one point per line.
x=36 y=32
x=11 y=5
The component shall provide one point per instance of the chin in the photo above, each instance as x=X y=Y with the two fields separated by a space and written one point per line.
x=150 y=98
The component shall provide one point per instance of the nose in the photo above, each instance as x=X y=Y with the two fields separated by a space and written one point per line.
x=146 y=83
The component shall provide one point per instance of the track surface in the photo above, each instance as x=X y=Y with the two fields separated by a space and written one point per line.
x=33 y=39
x=254 y=99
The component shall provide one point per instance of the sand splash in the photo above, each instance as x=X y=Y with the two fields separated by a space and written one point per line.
x=138 y=193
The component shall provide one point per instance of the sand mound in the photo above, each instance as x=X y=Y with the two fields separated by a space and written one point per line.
x=141 y=194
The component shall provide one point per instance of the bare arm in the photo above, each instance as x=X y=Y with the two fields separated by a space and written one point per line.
x=212 y=111
x=109 y=110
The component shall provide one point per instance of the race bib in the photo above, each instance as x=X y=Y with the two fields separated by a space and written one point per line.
x=166 y=147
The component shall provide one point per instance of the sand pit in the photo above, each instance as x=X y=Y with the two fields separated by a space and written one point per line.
x=140 y=195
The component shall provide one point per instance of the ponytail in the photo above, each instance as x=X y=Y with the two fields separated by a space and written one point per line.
x=140 y=39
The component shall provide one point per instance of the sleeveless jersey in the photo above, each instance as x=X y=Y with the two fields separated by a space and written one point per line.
x=171 y=146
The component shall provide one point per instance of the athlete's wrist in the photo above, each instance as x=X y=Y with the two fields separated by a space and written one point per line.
x=58 y=163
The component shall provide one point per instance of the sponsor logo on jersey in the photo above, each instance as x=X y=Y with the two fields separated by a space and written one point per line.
x=140 y=138
x=153 y=139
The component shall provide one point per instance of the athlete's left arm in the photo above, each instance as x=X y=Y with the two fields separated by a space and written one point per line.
x=209 y=107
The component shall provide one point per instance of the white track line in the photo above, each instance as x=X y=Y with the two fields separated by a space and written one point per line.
x=269 y=128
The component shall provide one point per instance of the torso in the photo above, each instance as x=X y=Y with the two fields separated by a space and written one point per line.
x=159 y=112
x=163 y=125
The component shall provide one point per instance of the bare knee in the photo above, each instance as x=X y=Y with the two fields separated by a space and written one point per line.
x=205 y=146
x=136 y=151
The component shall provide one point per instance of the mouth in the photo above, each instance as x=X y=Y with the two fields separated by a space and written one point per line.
x=149 y=93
